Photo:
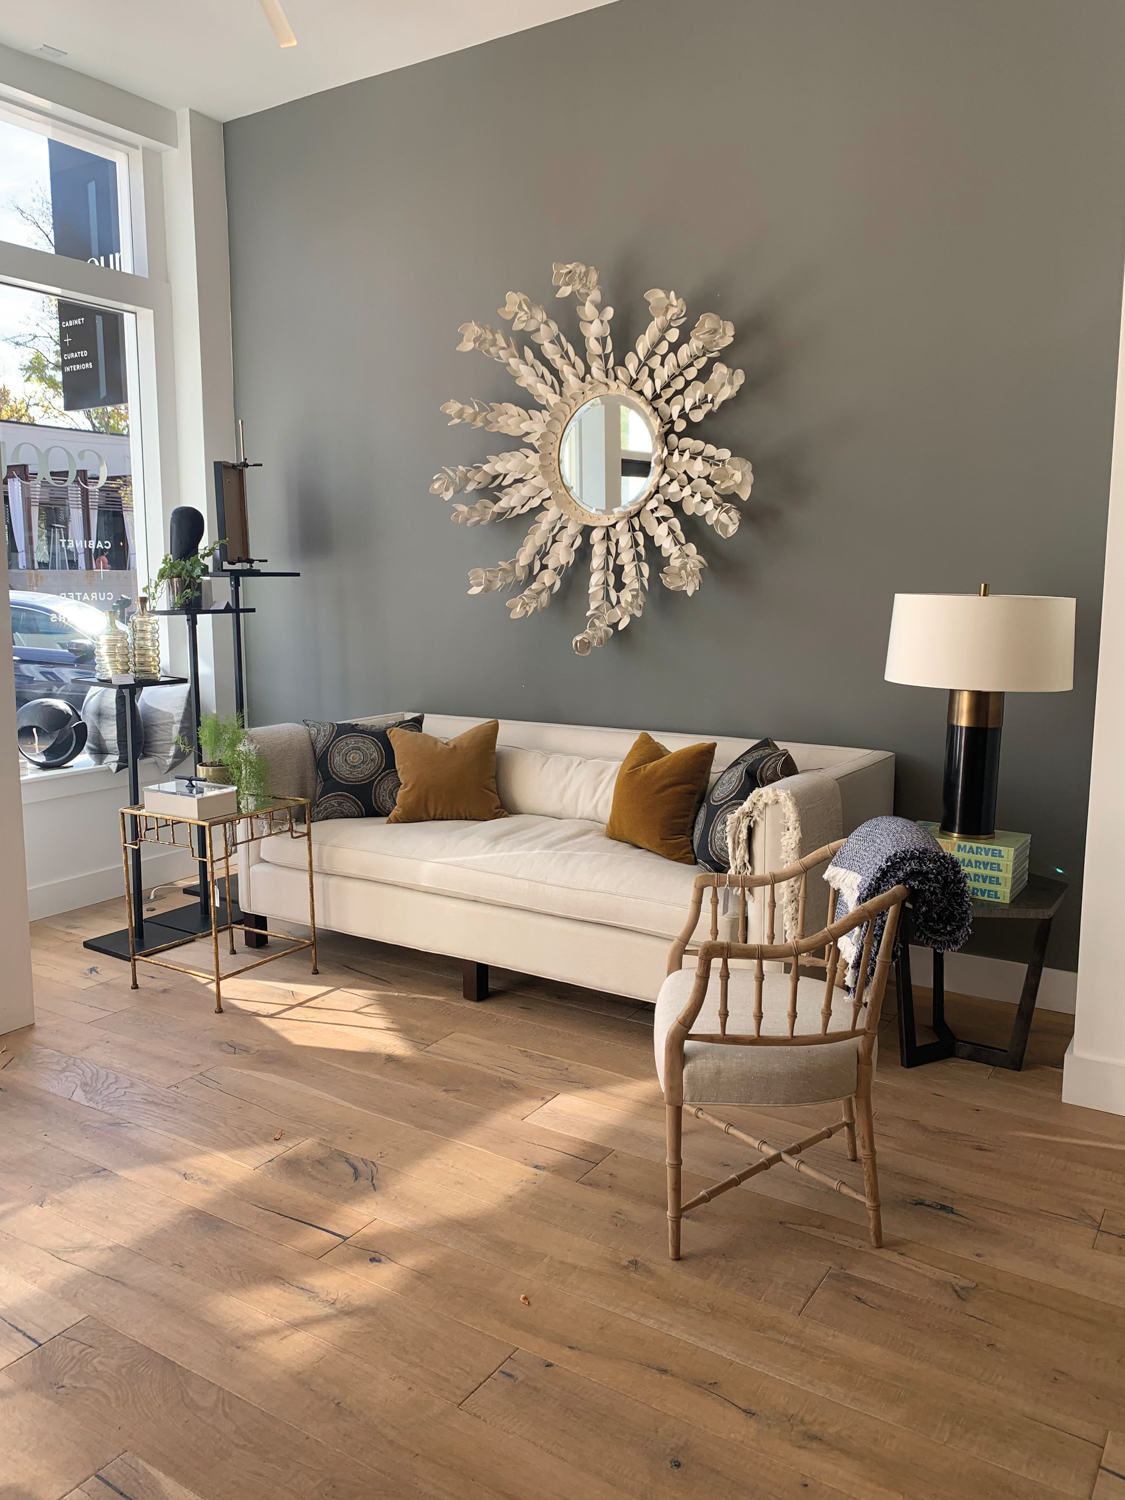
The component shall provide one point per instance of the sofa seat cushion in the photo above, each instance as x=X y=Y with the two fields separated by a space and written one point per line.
x=715 y=1073
x=562 y=867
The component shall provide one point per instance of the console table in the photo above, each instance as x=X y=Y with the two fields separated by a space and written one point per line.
x=1038 y=902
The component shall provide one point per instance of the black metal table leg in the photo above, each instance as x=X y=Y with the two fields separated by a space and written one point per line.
x=128 y=696
x=239 y=684
x=911 y=1053
x=1012 y=1055
x=1017 y=1046
x=1037 y=902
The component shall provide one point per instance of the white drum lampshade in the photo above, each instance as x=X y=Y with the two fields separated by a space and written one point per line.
x=984 y=643
x=979 y=647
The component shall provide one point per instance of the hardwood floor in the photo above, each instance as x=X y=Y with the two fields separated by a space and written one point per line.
x=358 y=1237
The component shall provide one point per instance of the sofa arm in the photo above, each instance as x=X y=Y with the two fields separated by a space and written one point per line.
x=288 y=752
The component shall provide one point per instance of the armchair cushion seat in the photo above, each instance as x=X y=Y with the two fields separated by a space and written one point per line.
x=718 y=1073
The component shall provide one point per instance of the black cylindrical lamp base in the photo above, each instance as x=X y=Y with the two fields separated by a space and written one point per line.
x=972 y=764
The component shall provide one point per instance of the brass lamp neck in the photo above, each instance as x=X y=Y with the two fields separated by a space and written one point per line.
x=972 y=710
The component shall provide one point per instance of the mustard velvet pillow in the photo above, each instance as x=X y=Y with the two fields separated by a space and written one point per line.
x=656 y=797
x=446 y=778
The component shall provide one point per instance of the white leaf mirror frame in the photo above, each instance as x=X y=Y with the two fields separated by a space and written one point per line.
x=607 y=451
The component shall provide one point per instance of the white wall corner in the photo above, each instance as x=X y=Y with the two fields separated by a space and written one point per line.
x=17 y=1007
x=1094 y=1069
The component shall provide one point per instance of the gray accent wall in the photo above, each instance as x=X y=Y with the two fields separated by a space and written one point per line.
x=914 y=213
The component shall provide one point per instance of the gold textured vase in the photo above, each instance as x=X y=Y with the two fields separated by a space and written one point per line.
x=111 y=650
x=144 y=643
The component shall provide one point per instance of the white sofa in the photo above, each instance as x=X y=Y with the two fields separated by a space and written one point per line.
x=542 y=891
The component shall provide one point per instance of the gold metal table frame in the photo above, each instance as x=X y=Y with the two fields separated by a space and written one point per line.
x=219 y=839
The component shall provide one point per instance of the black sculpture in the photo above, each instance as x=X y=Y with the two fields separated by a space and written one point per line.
x=185 y=532
x=49 y=732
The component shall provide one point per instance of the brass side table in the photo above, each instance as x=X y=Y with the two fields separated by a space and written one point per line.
x=221 y=838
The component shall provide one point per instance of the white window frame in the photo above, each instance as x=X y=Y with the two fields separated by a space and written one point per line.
x=183 y=384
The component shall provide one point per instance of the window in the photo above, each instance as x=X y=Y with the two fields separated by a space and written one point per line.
x=64 y=193
x=70 y=470
x=69 y=501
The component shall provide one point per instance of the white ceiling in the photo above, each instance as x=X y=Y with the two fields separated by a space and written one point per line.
x=220 y=56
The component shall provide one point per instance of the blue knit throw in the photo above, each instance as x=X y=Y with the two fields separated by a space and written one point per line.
x=886 y=852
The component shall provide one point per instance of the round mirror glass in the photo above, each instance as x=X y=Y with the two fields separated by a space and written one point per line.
x=606 y=453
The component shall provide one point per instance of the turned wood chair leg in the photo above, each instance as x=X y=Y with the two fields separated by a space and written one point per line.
x=849 y=1128
x=865 y=1128
x=675 y=1120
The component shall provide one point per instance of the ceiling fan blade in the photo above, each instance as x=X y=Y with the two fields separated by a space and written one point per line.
x=278 y=21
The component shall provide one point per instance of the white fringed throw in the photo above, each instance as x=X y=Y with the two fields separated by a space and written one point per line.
x=811 y=816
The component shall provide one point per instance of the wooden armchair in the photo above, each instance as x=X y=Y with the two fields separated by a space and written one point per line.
x=773 y=1039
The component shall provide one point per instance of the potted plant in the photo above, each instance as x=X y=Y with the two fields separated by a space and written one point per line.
x=218 y=739
x=227 y=755
x=183 y=577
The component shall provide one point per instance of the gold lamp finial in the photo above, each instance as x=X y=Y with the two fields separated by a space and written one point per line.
x=984 y=590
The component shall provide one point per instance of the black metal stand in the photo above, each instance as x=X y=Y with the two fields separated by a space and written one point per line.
x=234 y=577
x=150 y=934
x=1038 y=902
x=197 y=918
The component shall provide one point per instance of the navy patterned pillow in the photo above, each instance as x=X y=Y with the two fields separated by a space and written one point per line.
x=762 y=764
x=355 y=768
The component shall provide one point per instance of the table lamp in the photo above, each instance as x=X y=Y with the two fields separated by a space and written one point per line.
x=979 y=646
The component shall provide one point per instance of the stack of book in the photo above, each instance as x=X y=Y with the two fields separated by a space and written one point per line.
x=995 y=868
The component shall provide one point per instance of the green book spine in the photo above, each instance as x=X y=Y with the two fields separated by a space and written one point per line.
x=978 y=864
x=1006 y=849
x=1001 y=893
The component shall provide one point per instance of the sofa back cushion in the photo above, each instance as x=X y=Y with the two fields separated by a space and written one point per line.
x=555 y=786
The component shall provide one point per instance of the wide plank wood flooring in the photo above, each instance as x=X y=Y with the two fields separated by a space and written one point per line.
x=357 y=1237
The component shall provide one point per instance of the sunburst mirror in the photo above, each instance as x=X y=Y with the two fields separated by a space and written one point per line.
x=606 y=450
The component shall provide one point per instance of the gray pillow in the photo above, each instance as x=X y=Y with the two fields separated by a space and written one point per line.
x=103 y=713
x=165 y=716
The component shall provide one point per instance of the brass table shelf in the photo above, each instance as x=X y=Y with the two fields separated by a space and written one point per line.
x=221 y=839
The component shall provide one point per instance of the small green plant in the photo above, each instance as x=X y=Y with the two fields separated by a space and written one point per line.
x=220 y=738
x=189 y=571
x=226 y=741
x=251 y=775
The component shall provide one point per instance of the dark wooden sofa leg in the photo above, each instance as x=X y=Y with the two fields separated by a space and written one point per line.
x=474 y=980
x=256 y=938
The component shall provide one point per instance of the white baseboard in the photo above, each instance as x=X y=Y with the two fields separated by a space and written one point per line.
x=1093 y=1082
x=995 y=979
x=55 y=896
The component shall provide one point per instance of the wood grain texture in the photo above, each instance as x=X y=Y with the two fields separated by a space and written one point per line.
x=1111 y=1472
x=129 y=1478
x=360 y=1237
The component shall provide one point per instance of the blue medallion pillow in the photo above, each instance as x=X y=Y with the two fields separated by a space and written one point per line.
x=355 y=768
x=761 y=765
